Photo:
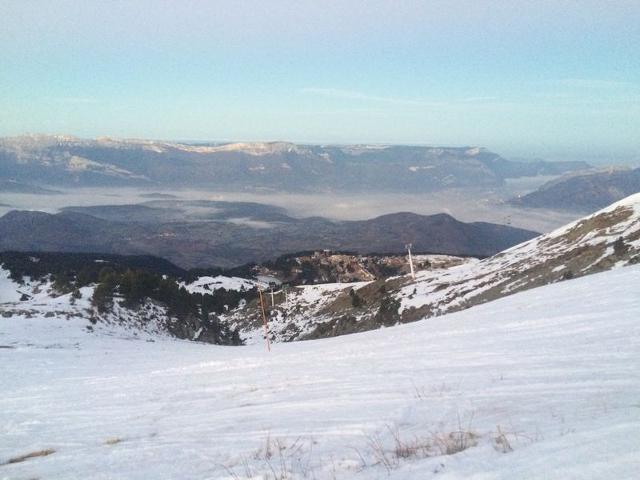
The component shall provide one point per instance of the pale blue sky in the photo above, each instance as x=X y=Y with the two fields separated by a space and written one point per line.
x=549 y=78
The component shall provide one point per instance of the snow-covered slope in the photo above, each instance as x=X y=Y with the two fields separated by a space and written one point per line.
x=582 y=247
x=543 y=384
x=38 y=299
x=605 y=240
x=207 y=284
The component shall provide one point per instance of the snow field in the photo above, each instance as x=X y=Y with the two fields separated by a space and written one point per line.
x=544 y=382
x=207 y=285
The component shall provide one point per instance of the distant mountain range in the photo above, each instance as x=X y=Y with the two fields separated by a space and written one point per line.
x=226 y=234
x=69 y=161
x=583 y=192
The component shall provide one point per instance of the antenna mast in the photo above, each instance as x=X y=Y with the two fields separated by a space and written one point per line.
x=408 y=247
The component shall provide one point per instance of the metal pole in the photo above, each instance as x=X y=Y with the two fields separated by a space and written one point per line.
x=413 y=275
x=286 y=300
x=264 y=322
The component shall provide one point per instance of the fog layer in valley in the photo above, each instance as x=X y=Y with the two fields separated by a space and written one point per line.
x=467 y=205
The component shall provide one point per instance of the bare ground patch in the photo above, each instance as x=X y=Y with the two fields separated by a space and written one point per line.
x=28 y=456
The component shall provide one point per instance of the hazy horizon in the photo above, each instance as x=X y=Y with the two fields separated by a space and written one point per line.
x=556 y=80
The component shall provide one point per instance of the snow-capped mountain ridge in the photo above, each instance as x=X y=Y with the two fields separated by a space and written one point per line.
x=277 y=165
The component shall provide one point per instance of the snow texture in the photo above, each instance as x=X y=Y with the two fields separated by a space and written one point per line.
x=207 y=285
x=544 y=381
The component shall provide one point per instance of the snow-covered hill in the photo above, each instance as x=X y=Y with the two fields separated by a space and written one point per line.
x=149 y=319
x=605 y=240
x=207 y=284
x=542 y=384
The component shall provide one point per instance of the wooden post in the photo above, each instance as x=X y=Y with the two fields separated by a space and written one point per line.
x=264 y=321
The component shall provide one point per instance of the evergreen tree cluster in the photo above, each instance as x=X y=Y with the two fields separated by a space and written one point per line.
x=132 y=280
x=134 y=286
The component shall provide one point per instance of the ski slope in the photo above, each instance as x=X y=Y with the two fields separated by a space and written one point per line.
x=545 y=384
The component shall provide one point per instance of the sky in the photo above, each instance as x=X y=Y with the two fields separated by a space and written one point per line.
x=553 y=79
